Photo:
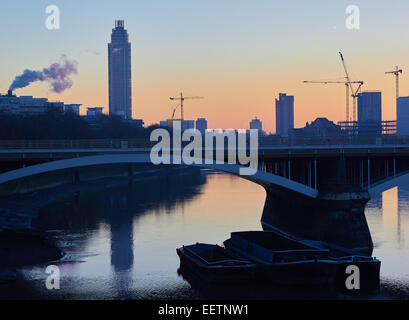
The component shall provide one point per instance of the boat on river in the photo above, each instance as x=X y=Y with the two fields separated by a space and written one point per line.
x=369 y=267
x=214 y=264
x=273 y=256
x=285 y=259
x=282 y=260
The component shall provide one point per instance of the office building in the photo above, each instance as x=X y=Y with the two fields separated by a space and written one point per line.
x=370 y=113
x=28 y=105
x=201 y=125
x=257 y=125
x=75 y=108
x=284 y=114
x=94 y=111
x=119 y=71
x=402 y=116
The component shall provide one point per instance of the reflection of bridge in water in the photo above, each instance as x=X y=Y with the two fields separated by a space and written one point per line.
x=317 y=189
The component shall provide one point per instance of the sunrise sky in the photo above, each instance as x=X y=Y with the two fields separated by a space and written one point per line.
x=238 y=54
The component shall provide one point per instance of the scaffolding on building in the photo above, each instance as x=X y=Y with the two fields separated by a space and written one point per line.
x=351 y=128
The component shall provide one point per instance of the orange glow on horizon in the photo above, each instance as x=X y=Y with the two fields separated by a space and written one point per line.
x=232 y=98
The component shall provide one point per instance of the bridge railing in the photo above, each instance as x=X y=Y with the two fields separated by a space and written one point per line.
x=331 y=141
x=75 y=144
x=145 y=143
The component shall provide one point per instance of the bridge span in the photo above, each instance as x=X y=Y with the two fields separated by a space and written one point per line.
x=263 y=178
x=315 y=191
x=363 y=165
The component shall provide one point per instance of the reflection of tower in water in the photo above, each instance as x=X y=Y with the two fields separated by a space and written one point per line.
x=122 y=244
x=122 y=254
x=121 y=225
x=121 y=219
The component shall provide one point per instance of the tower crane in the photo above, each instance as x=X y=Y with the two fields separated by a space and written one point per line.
x=174 y=111
x=396 y=73
x=182 y=99
x=346 y=83
x=354 y=92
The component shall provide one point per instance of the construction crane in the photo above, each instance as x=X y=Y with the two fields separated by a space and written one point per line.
x=354 y=92
x=396 y=73
x=346 y=83
x=174 y=110
x=182 y=99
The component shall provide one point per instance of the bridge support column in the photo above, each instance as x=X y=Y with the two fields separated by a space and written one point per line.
x=334 y=217
x=361 y=173
x=369 y=171
x=315 y=174
x=394 y=165
x=130 y=170
x=76 y=176
x=289 y=168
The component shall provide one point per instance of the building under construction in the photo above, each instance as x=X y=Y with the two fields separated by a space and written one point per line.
x=369 y=117
x=352 y=128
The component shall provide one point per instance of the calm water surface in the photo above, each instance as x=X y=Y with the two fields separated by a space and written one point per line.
x=120 y=243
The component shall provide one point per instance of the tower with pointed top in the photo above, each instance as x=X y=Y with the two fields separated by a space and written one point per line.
x=119 y=72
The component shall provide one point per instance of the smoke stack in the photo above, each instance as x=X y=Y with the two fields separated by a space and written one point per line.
x=10 y=93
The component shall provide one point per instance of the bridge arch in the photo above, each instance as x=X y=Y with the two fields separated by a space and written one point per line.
x=388 y=183
x=260 y=177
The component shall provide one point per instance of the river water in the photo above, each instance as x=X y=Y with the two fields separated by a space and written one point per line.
x=120 y=242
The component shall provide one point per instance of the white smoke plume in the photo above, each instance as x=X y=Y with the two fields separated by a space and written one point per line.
x=57 y=75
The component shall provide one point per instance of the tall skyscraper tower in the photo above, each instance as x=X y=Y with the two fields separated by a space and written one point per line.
x=284 y=114
x=119 y=72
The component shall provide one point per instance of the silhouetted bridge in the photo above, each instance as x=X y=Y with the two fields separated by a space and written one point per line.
x=316 y=188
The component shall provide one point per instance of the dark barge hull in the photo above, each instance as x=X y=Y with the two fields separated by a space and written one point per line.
x=285 y=259
x=309 y=272
x=216 y=273
x=369 y=268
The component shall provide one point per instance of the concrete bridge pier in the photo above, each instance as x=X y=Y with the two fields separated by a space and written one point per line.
x=337 y=215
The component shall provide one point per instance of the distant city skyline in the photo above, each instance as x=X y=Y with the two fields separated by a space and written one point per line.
x=240 y=55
